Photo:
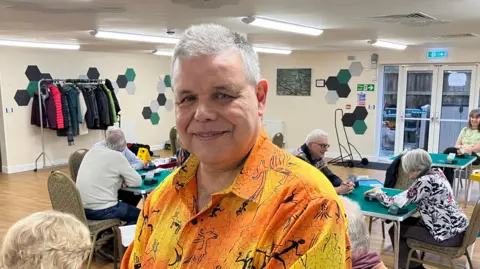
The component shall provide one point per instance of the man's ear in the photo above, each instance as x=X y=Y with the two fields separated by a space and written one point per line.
x=261 y=92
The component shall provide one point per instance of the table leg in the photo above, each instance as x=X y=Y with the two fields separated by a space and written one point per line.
x=467 y=186
x=396 y=249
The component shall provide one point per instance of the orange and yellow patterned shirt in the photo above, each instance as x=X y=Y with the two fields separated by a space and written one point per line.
x=280 y=212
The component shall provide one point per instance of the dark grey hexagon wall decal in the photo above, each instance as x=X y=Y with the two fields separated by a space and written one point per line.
x=161 y=99
x=146 y=112
x=93 y=73
x=360 y=113
x=33 y=73
x=348 y=119
x=22 y=97
x=122 y=81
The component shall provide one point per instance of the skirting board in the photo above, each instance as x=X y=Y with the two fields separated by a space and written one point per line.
x=31 y=166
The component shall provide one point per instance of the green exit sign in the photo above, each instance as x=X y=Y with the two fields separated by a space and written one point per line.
x=437 y=54
x=366 y=87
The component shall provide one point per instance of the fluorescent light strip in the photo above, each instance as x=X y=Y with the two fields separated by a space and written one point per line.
x=388 y=45
x=28 y=44
x=134 y=37
x=270 y=50
x=282 y=26
x=163 y=52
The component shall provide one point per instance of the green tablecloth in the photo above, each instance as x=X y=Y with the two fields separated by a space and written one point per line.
x=375 y=208
x=159 y=177
x=440 y=160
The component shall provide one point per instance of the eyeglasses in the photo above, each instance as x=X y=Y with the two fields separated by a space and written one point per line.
x=325 y=146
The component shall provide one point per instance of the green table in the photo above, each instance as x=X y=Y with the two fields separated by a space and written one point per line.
x=376 y=210
x=144 y=190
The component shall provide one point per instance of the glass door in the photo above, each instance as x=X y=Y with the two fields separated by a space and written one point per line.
x=416 y=100
x=453 y=104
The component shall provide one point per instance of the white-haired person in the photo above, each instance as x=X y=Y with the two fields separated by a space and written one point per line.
x=441 y=221
x=362 y=257
x=44 y=240
x=313 y=152
x=102 y=173
x=134 y=161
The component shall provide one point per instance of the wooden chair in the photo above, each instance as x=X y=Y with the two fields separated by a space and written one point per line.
x=449 y=252
x=74 y=162
x=174 y=140
x=66 y=198
x=278 y=140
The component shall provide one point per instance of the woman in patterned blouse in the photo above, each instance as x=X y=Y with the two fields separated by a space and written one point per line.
x=441 y=221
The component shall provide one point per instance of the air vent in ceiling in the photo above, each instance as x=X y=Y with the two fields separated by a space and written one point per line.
x=417 y=19
x=453 y=36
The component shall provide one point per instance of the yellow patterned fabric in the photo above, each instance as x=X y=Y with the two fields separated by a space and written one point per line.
x=280 y=212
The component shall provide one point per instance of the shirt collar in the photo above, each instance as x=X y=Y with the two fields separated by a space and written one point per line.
x=249 y=183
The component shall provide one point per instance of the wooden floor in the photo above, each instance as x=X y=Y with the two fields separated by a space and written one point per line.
x=25 y=193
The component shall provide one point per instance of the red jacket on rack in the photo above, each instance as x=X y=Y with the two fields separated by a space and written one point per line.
x=55 y=93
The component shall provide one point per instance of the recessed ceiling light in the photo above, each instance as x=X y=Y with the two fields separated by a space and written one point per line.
x=134 y=37
x=388 y=45
x=282 y=26
x=271 y=50
x=41 y=45
x=163 y=52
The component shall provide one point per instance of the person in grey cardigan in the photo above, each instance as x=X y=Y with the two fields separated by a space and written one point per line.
x=313 y=151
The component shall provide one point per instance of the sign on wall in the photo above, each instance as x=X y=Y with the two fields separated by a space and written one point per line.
x=366 y=87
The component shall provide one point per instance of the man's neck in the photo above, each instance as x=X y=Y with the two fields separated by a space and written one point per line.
x=214 y=179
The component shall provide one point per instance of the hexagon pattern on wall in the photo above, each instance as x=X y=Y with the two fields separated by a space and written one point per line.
x=343 y=90
x=33 y=73
x=332 y=83
x=359 y=127
x=161 y=86
x=22 y=97
x=46 y=76
x=122 y=81
x=85 y=77
x=331 y=97
x=146 y=112
x=348 y=119
x=155 y=118
x=344 y=76
x=168 y=82
x=32 y=88
x=93 y=73
x=169 y=105
x=360 y=113
x=116 y=89
x=131 y=88
x=161 y=99
x=356 y=69
x=154 y=106
x=130 y=74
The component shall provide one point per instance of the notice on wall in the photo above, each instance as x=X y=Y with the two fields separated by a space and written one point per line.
x=361 y=98
x=365 y=87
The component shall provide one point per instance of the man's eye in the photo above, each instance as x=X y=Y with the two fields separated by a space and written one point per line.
x=223 y=96
x=190 y=98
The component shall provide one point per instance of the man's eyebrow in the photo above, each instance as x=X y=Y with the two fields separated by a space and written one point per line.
x=183 y=91
x=229 y=87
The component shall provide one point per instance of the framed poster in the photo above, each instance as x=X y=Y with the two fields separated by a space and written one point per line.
x=296 y=82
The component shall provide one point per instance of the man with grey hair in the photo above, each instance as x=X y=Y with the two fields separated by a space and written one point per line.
x=103 y=171
x=134 y=161
x=238 y=201
x=359 y=237
x=313 y=152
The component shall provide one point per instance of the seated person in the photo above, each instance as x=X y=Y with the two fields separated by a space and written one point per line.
x=102 y=173
x=468 y=142
x=313 y=152
x=441 y=221
x=43 y=240
x=134 y=161
x=359 y=237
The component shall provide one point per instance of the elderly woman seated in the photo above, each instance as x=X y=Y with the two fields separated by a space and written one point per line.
x=43 y=240
x=441 y=221
x=359 y=237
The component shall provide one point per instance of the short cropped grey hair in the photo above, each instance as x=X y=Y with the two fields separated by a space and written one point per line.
x=47 y=239
x=357 y=228
x=315 y=135
x=210 y=39
x=416 y=160
x=115 y=140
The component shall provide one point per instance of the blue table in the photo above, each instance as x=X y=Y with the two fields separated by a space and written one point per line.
x=377 y=210
x=144 y=190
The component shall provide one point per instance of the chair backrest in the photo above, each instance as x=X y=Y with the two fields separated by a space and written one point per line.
x=173 y=139
x=64 y=195
x=278 y=140
x=473 y=227
x=74 y=162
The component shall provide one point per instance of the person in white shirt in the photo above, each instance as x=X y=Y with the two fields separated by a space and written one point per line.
x=134 y=161
x=103 y=171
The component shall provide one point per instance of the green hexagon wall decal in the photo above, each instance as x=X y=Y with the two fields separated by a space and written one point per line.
x=155 y=118
x=130 y=74
x=32 y=88
x=167 y=81
x=359 y=127
x=344 y=76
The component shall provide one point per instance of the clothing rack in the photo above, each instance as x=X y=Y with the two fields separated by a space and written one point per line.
x=39 y=88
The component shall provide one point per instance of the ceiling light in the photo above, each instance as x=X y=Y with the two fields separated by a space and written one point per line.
x=270 y=50
x=388 y=45
x=282 y=26
x=28 y=44
x=133 y=37
x=163 y=52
